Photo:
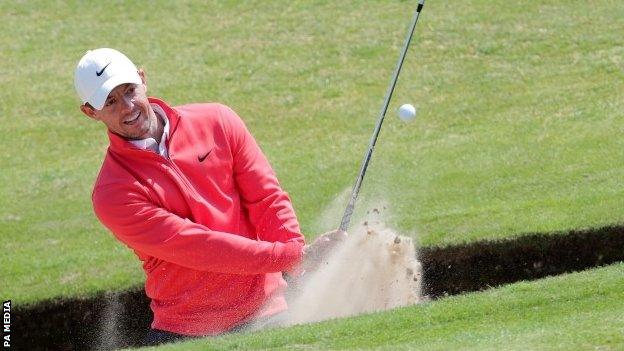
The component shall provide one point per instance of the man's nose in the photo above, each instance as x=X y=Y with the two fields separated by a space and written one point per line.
x=127 y=103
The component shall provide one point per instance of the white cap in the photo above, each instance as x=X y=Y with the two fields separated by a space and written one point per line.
x=101 y=70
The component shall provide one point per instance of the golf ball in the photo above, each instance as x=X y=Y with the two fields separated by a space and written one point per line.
x=407 y=112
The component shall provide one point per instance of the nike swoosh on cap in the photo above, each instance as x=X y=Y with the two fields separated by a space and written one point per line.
x=102 y=71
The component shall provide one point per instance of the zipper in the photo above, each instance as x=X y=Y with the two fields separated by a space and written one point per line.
x=169 y=162
x=184 y=180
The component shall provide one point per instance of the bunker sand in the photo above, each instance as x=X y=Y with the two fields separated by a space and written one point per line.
x=374 y=269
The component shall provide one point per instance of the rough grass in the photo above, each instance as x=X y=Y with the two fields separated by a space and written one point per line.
x=580 y=311
x=519 y=125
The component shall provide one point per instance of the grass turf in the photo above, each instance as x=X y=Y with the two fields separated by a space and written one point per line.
x=518 y=130
x=579 y=311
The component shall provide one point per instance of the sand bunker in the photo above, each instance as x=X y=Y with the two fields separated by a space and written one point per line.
x=374 y=269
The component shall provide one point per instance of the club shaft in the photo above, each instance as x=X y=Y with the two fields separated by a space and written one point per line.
x=346 y=218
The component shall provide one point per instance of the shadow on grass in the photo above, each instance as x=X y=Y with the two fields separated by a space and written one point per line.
x=121 y=319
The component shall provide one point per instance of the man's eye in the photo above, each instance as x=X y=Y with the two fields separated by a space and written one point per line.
x=109 y=102
x=130 y=90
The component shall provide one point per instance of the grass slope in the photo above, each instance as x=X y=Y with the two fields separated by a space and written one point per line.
x=580 y=311
x=519 y=127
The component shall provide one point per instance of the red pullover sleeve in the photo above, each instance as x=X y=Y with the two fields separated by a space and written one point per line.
x=156 y=232
x=269 y=207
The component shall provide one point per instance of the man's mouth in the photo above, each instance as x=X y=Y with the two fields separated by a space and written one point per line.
x=133 y=119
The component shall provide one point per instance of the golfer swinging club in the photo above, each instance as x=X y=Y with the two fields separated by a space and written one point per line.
x=189 y=190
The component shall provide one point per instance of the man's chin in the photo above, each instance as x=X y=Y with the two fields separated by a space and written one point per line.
x=133 y=135
x=138 y=133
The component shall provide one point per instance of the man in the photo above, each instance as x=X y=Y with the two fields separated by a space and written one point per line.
x=189 y=190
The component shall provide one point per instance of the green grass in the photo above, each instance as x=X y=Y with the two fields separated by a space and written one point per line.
x=580 y=311
x=519 y=126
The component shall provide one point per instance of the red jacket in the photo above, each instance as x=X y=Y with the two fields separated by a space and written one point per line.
x=211 y=224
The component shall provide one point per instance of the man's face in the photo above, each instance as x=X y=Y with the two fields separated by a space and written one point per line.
x=127 y=111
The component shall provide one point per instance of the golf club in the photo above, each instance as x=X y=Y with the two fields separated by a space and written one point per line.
x=346 y=218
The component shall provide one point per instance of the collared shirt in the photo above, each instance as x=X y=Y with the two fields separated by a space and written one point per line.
x=150 y=143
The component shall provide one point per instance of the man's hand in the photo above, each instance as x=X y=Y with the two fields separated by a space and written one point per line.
x=320 y=249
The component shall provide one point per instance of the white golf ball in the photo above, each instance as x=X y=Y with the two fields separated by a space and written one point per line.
x=407 y=112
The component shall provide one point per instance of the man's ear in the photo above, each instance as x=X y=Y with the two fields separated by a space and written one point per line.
x=141 y=73
x=89 y=111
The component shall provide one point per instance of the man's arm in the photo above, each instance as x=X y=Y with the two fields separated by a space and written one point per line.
x=152 y=230
x=269 y=207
